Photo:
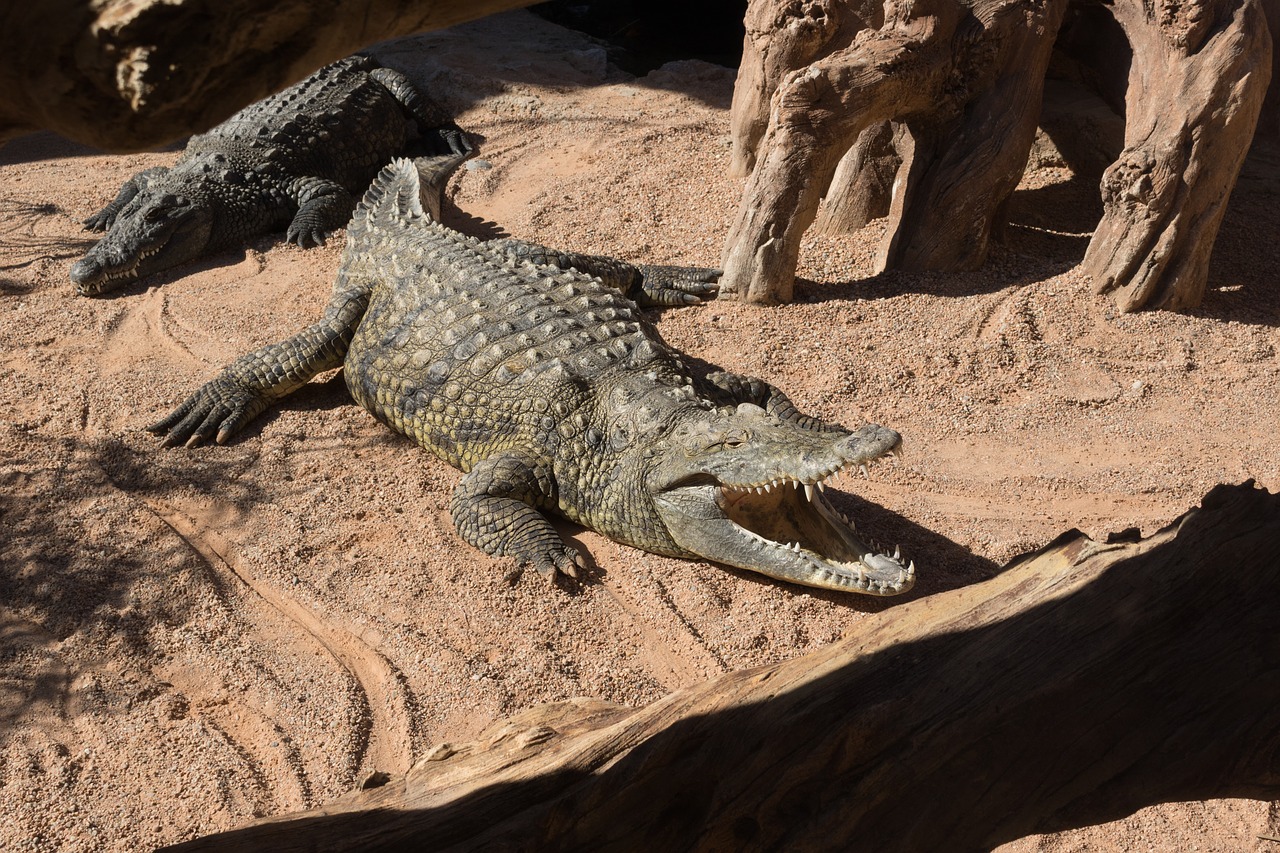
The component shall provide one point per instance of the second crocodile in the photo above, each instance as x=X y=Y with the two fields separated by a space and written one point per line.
x=299 y=158
x=531 y=371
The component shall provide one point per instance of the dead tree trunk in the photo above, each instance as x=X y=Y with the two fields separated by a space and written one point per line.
x=1084 y=682
x=1200 y=74
x=965 y=77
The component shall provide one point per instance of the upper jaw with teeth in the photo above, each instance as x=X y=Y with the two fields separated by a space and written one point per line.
x=810 y=542
x=816 y=483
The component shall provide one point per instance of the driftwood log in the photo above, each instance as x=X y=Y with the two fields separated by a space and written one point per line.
x=1085 y=681
x=925 y=112
x=130 y=74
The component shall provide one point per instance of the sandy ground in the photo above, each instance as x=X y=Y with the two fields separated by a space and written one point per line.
x=190 y=639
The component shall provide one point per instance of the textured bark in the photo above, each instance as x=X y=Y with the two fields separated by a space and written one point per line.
x=1200 y=74
x=129 y=74
x=1082 y=683
x=1193 y=82
x=781 y=38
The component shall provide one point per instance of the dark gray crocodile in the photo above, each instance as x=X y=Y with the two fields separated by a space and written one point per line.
x=299 y=158
x=533 y=372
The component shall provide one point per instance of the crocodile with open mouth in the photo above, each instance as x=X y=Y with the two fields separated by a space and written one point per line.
x=299 y=158
x=533 y=372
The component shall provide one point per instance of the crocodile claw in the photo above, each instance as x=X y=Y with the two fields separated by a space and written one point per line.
x=100 y=221
x=305 y=236
x=675 y=285
x=216 y=411
x=566 y=561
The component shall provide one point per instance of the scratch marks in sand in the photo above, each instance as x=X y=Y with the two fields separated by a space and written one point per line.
x=136 y=325
x=385 y=707
x=678 y=661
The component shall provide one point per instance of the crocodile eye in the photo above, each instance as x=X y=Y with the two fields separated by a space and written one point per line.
x=155 y=214
x=734 y=442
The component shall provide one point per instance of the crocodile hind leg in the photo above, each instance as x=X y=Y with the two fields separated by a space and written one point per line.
x=749 y=389
x=323 y=207
x=435 y=125
x=648 y=284
x=245 y=388
x=494 y=510
x=105 y=218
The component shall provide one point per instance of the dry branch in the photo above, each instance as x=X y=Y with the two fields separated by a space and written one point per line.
x=1082 y=683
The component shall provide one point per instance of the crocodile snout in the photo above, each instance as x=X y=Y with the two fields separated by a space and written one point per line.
x=86 y=274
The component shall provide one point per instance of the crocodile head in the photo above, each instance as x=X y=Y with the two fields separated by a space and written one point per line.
x=745 y=488
x=156 y=231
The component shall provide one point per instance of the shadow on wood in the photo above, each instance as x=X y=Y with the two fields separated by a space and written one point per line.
x=132 y=75
x=1084 y=682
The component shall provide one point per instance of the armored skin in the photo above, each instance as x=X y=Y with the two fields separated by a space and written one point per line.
x=299 y=158
x=533 y=372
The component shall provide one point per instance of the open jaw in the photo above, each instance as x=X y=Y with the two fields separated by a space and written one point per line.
x=787 y=529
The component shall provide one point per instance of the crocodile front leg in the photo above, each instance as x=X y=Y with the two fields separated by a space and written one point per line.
x=649 y=285
x=245 y=388
x=749 y=389
x=494 y=510
x=434 y=124
x=105 y=218
x=323 y=207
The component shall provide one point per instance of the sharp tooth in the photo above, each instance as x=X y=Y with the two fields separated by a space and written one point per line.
x=822 y=487
x=911 y=569
x=863 y=469
x=902 y=578
x=795 y=484
x=808 y=491
x=897 y=552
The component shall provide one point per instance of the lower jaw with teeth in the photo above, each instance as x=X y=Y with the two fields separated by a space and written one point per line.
x=106 y=278
x=807 y=541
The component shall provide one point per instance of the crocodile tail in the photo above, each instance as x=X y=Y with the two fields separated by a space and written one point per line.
x=392 y=195
x=433 y=174
x=407 y=189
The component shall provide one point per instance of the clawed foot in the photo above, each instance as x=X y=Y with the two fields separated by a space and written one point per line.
x=102 y=220
x=566 y=561
x=447 y=140
x=217 y=411
x=305 y=235
x=672 y=285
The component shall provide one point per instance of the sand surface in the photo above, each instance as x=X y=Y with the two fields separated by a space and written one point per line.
x=193 y=638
